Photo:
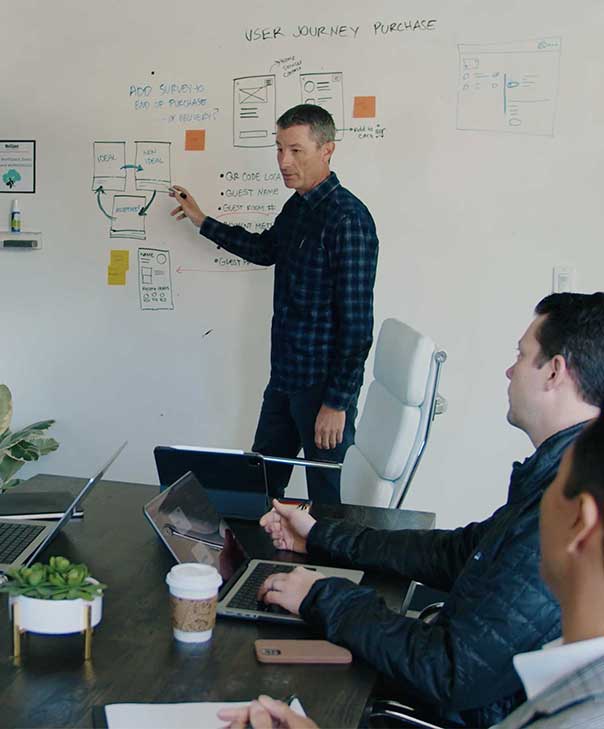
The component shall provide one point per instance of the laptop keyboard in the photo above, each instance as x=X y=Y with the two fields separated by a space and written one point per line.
x=246 y=599
x=14 y=538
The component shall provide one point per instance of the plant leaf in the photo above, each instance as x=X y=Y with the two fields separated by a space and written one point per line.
x=6 y=408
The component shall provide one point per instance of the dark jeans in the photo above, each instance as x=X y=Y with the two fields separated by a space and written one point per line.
x=287 y=424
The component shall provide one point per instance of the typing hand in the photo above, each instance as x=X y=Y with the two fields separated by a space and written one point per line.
x=187 y=207
x=265 y=713
x=288 y=590
x=329 y=427
x=287 y=526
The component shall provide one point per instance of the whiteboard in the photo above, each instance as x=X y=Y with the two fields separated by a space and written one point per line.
x=471 y=130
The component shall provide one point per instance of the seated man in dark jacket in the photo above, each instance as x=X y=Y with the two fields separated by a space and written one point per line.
x=461 y=664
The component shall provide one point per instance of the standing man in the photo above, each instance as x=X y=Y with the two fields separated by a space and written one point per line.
x=324 y=247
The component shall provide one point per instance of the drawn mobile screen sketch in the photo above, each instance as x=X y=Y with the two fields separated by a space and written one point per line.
x=154 y=279
x=509 y=87
x=254 y=111
x=325 y=90
x=109 y=166
x=127 y=221
x=152 y=166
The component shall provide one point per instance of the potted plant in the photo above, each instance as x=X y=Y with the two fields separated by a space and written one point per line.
x=53 y=598
x=19 y=447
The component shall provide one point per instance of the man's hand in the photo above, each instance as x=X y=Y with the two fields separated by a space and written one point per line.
x=287 y=526
x=265 y=713
x=288 y=589
x=329 y=427
x=187 y=207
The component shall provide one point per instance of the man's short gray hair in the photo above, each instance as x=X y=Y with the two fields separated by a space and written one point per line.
x=320 y=121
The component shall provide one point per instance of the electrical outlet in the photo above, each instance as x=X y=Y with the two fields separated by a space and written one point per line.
x=563 y=279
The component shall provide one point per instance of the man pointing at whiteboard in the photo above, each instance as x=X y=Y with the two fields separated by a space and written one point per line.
x=324 y=247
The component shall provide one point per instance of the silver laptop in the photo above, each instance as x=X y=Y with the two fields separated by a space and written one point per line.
x=22 y=540
x=193 y=531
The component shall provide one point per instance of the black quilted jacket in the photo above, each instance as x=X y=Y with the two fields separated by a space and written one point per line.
x=461 y=665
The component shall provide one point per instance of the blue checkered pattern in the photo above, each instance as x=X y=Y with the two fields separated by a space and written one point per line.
x=324 y=248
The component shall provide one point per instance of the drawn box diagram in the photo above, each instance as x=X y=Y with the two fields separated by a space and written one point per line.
x=154 y=279
x=509 y=87
x=254 y=111
x=325 y=90
x=126 y=219
x=109 y=167
x=152 y=166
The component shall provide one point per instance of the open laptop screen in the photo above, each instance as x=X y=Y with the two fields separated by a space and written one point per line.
x=188 y=523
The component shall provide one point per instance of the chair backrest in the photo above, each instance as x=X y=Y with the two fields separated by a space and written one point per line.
x=395 y=423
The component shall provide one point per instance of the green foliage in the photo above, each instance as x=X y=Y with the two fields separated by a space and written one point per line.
x=20 y=447
x=58 y=580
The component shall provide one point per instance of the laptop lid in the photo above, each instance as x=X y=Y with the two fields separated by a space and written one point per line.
x=31 y=550
x=235 y=481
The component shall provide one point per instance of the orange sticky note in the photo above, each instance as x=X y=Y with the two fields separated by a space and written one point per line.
x=195 y=140
x=364 y=107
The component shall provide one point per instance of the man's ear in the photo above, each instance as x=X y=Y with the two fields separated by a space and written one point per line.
x=328 y=150
x=557 y=371
x=587 y=524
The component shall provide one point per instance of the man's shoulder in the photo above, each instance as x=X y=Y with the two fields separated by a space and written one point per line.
x=346 y=204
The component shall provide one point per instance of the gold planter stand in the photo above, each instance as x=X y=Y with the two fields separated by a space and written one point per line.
x=17 y=632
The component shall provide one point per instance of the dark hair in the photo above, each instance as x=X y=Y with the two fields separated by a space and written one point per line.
x=320 y=121
x=587 y=463
x=574 y=328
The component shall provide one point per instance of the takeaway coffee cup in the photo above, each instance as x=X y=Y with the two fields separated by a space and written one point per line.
x=193 y=597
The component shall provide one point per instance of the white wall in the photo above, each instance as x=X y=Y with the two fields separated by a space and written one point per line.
x=470 y=222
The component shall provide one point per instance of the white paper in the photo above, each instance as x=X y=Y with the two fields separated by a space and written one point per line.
x=159 y=716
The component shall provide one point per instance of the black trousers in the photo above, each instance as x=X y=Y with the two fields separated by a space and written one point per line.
x=287 y=424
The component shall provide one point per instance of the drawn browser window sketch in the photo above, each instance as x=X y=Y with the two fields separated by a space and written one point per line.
x=509 y=87
x=325 y=90
x=254 y=111
x=152 y=171
x=154 y=279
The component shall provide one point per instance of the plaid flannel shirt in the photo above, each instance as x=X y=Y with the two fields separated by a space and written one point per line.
x=324 y=247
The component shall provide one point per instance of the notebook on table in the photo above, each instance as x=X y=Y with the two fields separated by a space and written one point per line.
x=22 y=540
x=184 y=530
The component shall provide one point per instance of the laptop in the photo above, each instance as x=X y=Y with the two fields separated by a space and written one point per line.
x=234 y=481
x=186 y=532
x=21 y=540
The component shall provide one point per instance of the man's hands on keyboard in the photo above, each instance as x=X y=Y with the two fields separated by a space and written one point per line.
x=288 y=590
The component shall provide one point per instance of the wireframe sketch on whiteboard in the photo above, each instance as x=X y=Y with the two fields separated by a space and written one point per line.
x=254 y=111
x=127 y=221
x=152 y=168
x=154 y=279
x=109 y=168
x=325 y=90
x=509 y=87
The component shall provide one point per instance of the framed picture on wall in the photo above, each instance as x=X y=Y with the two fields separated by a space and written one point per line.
x=17 y=166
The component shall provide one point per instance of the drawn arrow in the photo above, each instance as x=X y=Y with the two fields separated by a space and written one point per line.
x=143 y=210
x=138 y=168
x=99 y=191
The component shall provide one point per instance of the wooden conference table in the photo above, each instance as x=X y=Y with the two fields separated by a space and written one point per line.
x=134 y=657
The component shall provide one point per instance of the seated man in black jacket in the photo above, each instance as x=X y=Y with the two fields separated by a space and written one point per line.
x=461 y=664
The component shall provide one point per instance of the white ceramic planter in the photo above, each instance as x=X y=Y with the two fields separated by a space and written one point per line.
x=56 y=617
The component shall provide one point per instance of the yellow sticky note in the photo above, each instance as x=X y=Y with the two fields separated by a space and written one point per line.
x=364 y=107
x=195 y=140
x=120 y=259
x=116 y=276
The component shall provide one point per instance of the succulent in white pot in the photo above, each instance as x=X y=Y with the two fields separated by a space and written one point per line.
x=52 y=598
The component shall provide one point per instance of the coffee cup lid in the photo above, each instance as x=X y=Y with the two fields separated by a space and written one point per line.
x=191 y=576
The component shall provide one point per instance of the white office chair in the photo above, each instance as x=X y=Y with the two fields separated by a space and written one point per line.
x=393 y=429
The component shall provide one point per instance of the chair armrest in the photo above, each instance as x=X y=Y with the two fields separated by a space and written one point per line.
x=403 y=716
x=300 y=462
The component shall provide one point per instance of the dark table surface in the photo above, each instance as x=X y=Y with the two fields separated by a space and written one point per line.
x=134 y=657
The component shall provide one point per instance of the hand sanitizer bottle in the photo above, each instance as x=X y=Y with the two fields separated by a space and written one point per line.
x=15 y=218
